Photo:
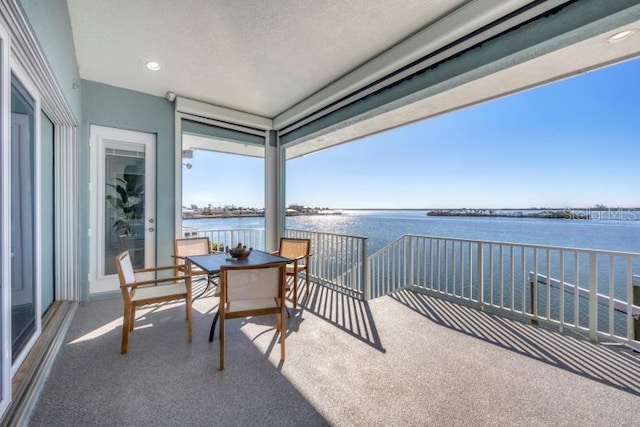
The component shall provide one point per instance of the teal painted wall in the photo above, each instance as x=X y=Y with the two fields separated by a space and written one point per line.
x=125 y=109
x=46 y=212
x=50 y=22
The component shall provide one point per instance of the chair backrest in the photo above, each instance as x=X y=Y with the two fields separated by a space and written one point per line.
x=260 y=281
x=126 y=274
x=293 y=248
x=187 y=247
x=124 y=268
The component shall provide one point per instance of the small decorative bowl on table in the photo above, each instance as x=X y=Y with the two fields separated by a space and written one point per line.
x=240 y=252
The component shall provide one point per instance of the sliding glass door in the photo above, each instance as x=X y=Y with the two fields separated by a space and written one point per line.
x=23 y=218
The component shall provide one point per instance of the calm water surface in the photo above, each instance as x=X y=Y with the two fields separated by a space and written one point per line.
x=383 y=227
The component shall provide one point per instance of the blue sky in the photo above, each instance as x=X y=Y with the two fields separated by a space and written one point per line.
x=572 y=143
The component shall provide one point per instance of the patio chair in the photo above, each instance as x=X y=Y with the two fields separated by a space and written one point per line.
x=137 y=292
x=183 y=248
x=252 y=291
x=299 y=250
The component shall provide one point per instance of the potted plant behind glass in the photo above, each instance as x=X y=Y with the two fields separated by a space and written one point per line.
x=129 y=202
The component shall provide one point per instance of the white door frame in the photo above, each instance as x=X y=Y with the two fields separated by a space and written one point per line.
x=99 y=136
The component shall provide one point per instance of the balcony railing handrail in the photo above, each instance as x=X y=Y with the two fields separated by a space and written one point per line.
x=528 y=245
x=352 y=236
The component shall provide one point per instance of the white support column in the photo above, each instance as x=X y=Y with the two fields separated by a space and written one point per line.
x=274 y=219
x=66 y=213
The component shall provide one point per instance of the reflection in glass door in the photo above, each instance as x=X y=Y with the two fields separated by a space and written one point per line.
x=122 y=203
x=23 y=277
x=124 y=212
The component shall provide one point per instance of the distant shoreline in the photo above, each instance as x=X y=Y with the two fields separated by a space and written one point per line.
x=498 y=209
x=493 y=213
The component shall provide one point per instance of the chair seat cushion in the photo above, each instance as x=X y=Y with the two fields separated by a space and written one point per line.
x=251 y=304
x=160 y=291
x=290 y=269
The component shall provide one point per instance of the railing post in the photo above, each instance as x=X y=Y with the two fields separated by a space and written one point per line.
x=636 y=301
x=480 y=275
x=366 y=274
x=593 y=296
x=411 y=264
x=533 y=296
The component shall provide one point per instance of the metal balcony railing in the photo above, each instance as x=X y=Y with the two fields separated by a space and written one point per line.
x=337 y=261
x=220 y=239
x=590 y=291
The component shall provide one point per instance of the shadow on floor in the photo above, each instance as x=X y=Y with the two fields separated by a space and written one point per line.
x=614 y=367
x=348 y=314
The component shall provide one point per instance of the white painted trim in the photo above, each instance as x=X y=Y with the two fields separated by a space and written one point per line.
x=5 y=224
x=271 y=198
x=177 y=143
x=202 y=109
x=210 y=143
x=66 y=213
x=98 y=137
x=449 y=29
x=27 y=52
x=30 y=87
x=218 y=123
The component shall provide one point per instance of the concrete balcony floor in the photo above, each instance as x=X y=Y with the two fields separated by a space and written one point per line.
x=406 y=359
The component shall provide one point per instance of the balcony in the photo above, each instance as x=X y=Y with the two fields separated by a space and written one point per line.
x=426 y=354
x=404 y=359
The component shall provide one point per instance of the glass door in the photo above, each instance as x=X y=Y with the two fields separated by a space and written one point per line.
x=5 y=227
x=123 y=209
x=23 y=218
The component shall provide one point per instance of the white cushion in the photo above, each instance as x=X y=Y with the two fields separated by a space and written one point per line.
x=147 y=292
x=250 y=304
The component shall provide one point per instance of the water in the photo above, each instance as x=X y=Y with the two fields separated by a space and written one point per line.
x=383 y=227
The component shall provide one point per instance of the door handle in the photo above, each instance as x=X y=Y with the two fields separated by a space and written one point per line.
x=150 y=229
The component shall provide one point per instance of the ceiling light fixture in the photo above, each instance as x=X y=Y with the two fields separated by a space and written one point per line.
x=153 y=65
x=622 y=35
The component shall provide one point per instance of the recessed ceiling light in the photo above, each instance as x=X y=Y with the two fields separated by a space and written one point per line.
x=153 y=65
x=622 y=35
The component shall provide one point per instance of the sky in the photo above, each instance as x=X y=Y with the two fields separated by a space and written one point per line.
x=573 y=143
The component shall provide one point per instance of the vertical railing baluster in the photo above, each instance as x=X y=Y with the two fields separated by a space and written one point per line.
x=411 y=263
x=593 y=296
x=629 y=283
x=470 y=272
x=431 y=269
x=576 y=289
x=501 y=252
x=548 y=290
x=490 y=274
x=480 y=275
x=454 y=267
x=611 y=294
x=366 y=274
x=561 y=314
x=513 y=278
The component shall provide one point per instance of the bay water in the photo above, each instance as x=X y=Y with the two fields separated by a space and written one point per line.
x=615 y=232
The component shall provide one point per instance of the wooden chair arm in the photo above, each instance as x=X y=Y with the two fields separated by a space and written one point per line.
x=147 y=270
x=155 y=281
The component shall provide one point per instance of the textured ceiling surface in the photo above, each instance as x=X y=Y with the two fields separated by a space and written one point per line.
x=260 y=58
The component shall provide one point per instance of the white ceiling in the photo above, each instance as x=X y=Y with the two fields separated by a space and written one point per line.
x=256 y=56
x=279 y=59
